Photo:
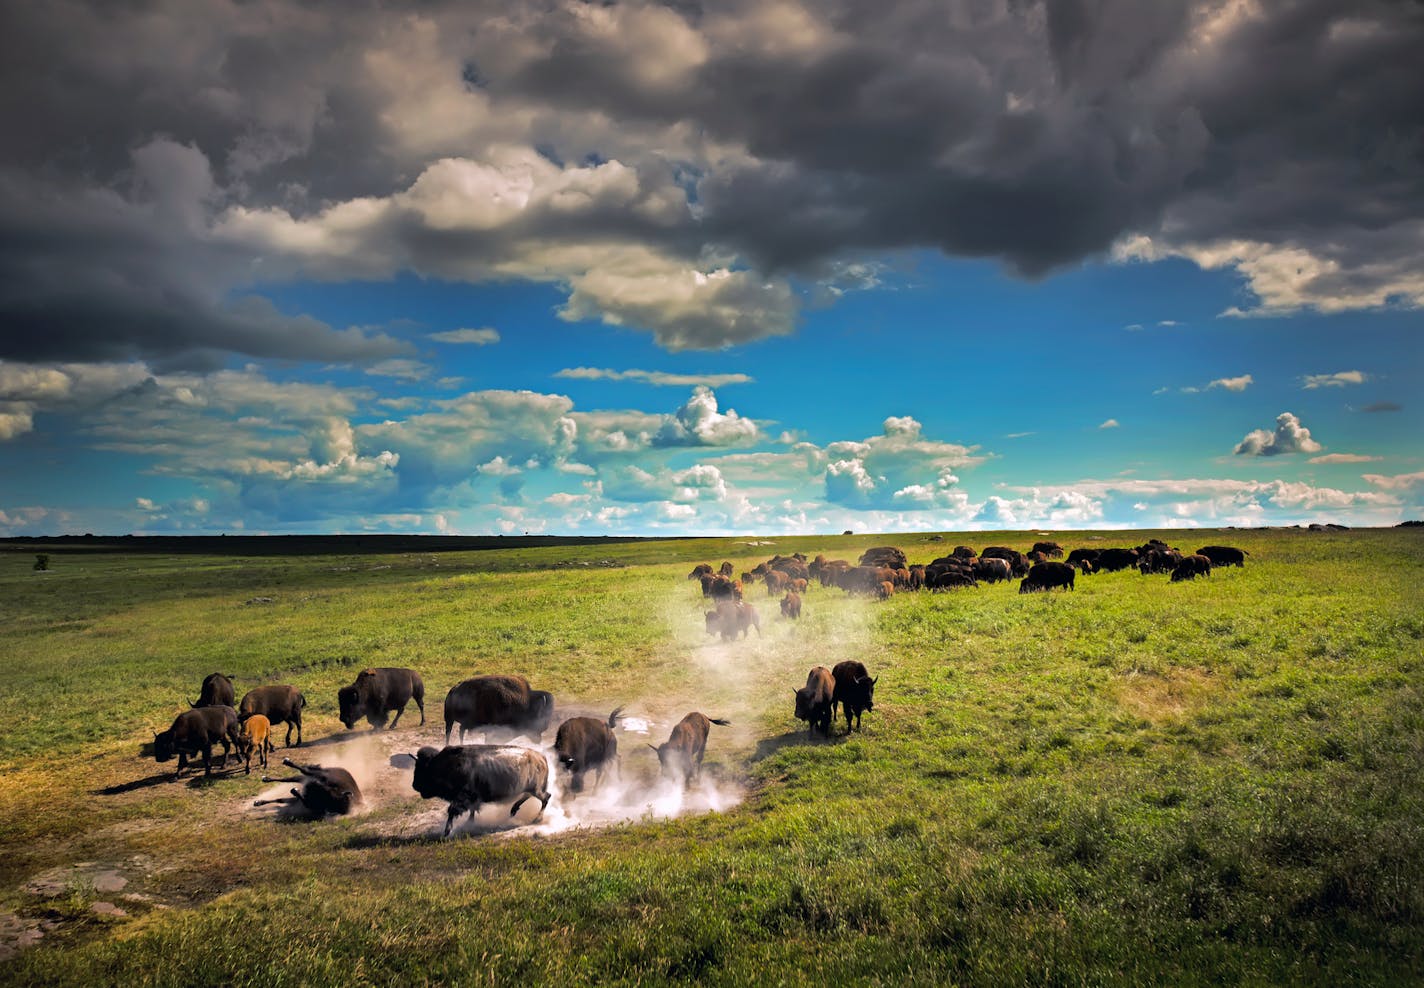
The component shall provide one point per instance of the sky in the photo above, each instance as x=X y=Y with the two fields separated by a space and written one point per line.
x=745 y=267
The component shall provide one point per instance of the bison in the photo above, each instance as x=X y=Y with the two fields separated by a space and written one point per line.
x=733 y=619
x=1223 y=555
x=991 y=569
x=196 y=731
x=854 y=690
x=1191 y=567
x=1112 y=560
x=791 y=606
x=324 y=791
x=216 y=691
x=1050 y=549
x=776 y=582
x=279 y=704
x=680 y=756
x=814 y=701
x=1158 y=561
x=726 y=570
x=1046 y=576
x=948 y=578
x=699 y=571
x=586 y=744
x=885 y=555
x=378 y=691
x=255 y=735
x=498 y=701
x=467 y=776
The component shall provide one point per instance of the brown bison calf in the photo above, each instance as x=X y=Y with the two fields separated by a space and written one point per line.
x=681 y=754
x=791 y=606
x=884 y=590
x=255 y=735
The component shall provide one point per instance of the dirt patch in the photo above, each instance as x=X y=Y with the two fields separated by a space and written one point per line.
x=1166 y=696
x=19 y=932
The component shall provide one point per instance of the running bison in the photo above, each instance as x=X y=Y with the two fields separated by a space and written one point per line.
x=216 y=691
x=1223 y=555
x=377 y=692
x=279 y=704
x=467 y=776
x=195 y=732
x=681 y=754
x=323 y=791
x=498 y=701
x=1191 y=567
x=733 y=619
x=814 y=701
x=854 y=690
x=1046 y=576
x=586 y=744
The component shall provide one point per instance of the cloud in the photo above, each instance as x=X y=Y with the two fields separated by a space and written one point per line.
x=1398 y=482
x=400 y=368
x=1232 y=383
x=1337 y=380
x=476 y=337
x=1110 y=424
x=1344 y=458
x=1290 y=437
x=698 y=422
x=1383 y=406
x=657 y=378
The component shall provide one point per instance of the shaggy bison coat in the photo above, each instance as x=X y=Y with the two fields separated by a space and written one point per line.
x=279 y=704
x=586 y=744
x=377 y=692
x=680 y=756
x=814 y=701
x=323 y=792
x=1223 y=555
x=991 y=570
x=195 y=732
x=1191 y=567
x=498 y=701
x=216 y=691
x=1046 y=576
x=885 y=555
x=854 y=690
x=467 y=776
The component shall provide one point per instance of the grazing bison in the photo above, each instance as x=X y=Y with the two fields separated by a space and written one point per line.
x=949 y=578
x=885 y=555
x=324 y=791
x=1045 y=576
x=216 y=691
x=814 y=701
x=854 y=690
x=255 y=735
x=1112 y=560
x=681 y=754
x=917 y=577
x=195 y=731
x=1223 y=555
x=498 y=701
x=1191 y=567
x=965 y=552
x=776 y=582
x=1158 y=561
x=279 y=704
x=467 y=776
x=790 y=606
x=733 y=619
x=376 y=692
x=586 y=744
x=699 y=571
x=1050 y=549
x=1091 y=555
x=991 y=569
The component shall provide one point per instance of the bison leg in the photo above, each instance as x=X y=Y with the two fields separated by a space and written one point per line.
x=449 y=726
x=283 y=801
x=289 y=735
x=397 y=720
x=208 y=759
x=420 y=702
x=182 y=764
x=455 y=810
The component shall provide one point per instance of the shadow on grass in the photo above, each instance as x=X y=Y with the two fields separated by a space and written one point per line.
x=767 y=747
x=166 y=777
x=363 y=842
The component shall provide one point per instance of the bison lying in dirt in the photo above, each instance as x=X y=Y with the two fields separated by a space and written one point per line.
x=376 y=692
x=324 y=791
x=681 y=754
x=470 y=775
x=498 y=701
x=195 y=732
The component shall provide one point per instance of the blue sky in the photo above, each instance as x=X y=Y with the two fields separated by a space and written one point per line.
x=634 y=270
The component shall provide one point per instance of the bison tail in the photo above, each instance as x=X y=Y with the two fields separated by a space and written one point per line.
x=720 y=722
x=613 y=717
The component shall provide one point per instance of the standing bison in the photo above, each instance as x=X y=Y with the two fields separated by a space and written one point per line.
x=680 y=756
x=1191 y=567
x=216 y=691
x=467 y=776
x=814 y=701
x=991 y=569
x=279 y=704
x=586 y=744
x=195 y=732
x=498 y=701
x=324 y=791
x=1046 y=576
x=733 y=619
x=1223 y=555
x=790 y=606
x=854 y=690
x=376 y=692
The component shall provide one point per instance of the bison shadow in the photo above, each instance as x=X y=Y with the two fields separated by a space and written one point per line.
x=767 y=747
x=165 y=777
x=364 y=842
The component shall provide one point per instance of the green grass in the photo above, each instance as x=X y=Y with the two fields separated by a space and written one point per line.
x=1138 y=782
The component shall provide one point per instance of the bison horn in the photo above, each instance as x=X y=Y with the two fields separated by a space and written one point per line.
x=653 y=746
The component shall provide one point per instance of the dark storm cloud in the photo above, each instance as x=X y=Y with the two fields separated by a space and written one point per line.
x=777 y=135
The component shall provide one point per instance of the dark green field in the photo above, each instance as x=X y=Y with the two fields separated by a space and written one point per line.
x=1138 y=782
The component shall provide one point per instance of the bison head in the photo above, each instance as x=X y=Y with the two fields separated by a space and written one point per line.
x=714 y=622
x=673 y=760
x=163 y=750
x=352 y=709
x=803 y=704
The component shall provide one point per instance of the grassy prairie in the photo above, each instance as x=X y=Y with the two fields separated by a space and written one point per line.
x=1137 y=782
